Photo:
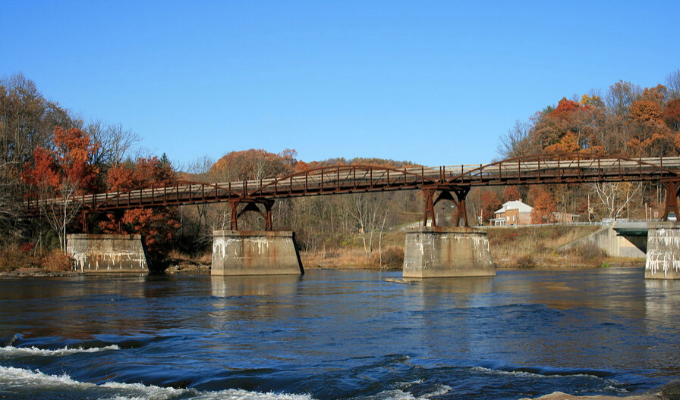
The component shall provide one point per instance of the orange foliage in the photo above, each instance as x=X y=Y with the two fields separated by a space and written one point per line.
x=254 y=164
x=488 y=203
x=146 y=172
x=671 y=114
x=68 y=163
x=568 y=144
x=511 y=193
x=544 y=205
x=158 y=226
x=643 y=111
x=566 y=107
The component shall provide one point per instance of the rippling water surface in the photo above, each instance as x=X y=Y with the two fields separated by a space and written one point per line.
x=338 y=335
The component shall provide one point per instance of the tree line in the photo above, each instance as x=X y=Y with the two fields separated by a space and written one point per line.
x=624 y=121
x=47 y=151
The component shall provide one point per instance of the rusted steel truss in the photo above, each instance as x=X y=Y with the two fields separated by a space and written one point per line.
x=672 y=188
x=453 y=183
x=251 y=205
x=445 y=194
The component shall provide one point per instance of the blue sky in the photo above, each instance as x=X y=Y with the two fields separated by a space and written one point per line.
x=433 y=82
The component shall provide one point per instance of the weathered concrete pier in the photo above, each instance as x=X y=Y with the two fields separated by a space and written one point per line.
x=105 y=253
x=255 y=253
x=434 y=252
x=663 y=251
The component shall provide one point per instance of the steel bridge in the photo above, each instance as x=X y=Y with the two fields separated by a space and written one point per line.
x=451 y=183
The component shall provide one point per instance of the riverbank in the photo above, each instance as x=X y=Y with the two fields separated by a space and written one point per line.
x=670 y=391
x=37 y=272
x=541 y=248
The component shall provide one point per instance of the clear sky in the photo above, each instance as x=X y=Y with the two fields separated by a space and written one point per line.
x=433 y=82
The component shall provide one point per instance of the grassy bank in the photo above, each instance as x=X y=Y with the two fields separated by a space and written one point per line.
x=539 y=247
x=353 y=255
x=524 y=247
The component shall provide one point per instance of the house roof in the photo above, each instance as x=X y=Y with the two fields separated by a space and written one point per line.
x=515 y=205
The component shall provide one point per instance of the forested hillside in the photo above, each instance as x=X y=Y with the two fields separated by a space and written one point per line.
x=626 y=120
x=45 y=150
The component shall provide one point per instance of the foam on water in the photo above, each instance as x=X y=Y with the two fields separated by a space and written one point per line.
x=529 y=374
x=21 y=379
x=16 y=377
x=399 y=394
x=34 y=351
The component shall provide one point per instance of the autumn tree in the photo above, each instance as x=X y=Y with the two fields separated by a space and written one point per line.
x=620 y=96
x=671 y=114
x=544 y=205
x=511 y=193
x=158 y=226
x=488 y=203
x=254 y=164
x=26 y=122
x=650 y=134
x=65 y=171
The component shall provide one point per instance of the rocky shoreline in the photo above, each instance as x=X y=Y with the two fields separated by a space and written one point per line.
x=37 y=272
x=670 y=391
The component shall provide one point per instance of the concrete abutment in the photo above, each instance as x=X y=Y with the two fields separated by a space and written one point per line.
x=255 y=253
x=106 y=253
x=663 y=251
x=434 y=252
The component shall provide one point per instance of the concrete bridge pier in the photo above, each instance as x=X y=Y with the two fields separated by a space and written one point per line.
x=255 y=253
x=107 y=253
x=663 y=251
x=436 y=252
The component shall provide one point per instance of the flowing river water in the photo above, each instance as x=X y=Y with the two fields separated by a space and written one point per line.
x=338 y=335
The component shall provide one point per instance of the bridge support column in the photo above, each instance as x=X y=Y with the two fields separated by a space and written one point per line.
x=663 y=251
x=107 y=253
x=433 y=252
x=255 y=253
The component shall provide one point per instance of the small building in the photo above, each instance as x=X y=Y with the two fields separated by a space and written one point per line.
x=513 y=213
x=565 y=218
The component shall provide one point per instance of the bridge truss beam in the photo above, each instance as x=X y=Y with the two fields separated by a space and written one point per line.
x=453 y=183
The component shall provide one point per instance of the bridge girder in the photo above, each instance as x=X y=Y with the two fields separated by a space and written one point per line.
x=564 y=168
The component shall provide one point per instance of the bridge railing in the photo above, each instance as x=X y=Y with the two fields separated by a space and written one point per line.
x=344 y=179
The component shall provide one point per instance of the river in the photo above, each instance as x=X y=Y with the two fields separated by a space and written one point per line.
x=338 y=335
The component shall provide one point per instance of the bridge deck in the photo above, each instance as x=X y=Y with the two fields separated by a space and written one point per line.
x=541 y=169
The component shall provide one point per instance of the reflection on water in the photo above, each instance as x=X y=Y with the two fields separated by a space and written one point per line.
x=226 y=286
x=352 y=334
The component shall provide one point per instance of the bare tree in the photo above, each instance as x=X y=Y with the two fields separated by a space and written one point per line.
x=516 y=142
x=114 y=142
x=199 y=170
x=673 y=85
x=621 y=95
x=60 y=211
x=10 y=202
x=366 y=210
x=616 y=197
